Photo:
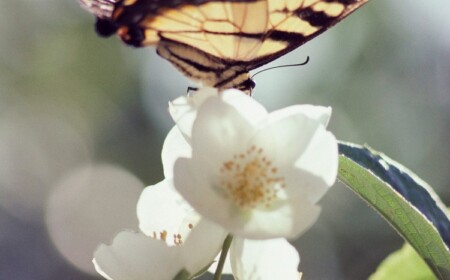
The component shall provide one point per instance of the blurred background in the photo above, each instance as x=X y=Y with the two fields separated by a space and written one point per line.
x=83 y=119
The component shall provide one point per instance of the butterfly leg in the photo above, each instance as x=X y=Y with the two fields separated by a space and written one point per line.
x=191 y=90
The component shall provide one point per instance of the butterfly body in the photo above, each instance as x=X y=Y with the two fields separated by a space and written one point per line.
x=217 y=42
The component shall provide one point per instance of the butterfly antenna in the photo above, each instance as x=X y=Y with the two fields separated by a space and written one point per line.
x=280 y=66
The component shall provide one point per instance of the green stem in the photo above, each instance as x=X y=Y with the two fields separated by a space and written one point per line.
x=223 y=256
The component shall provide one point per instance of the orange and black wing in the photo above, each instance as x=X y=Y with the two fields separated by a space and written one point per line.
x=219 y=41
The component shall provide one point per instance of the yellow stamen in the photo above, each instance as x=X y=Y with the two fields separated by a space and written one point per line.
x=250 y=180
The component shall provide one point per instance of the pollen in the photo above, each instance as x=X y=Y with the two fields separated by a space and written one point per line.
x=177 y=238
x=250 y=180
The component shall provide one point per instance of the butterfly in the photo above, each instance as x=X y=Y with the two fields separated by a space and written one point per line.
x=218 y=42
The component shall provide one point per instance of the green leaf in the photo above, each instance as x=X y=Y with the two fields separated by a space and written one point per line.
x=404 y=200
x=403 y=264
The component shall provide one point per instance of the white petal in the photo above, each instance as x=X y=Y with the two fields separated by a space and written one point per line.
x=161 y=208
x=202 y=245
x=219 y=132
x=289 y=220
x=184 y=109
x=134 y=256
x=260 y=224
x=175 y=146
x=195 y=187
x=264 y=260
x=284 y=137
x=248 y=107
x=302 y=186
x=317 y=113
x=320 y=159
x=305 y=214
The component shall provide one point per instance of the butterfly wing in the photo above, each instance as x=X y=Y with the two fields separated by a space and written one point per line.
x=209 y=41
x=217 y=28
x=294 y=22
x=218 y=42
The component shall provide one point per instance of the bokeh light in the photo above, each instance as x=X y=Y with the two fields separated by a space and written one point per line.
x=36 y=147
x=88 y=207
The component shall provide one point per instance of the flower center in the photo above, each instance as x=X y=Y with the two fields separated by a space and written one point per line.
x=177 y=238
x=250 y=180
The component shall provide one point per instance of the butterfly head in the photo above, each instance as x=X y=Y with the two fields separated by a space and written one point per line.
x=105 y=28
x=246 y=86
x=235 y=77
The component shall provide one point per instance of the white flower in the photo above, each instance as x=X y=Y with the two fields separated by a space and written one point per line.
x=248 y=259
x=258 y=175
x=176 y=238
x=134 y=256
x=230 y=167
